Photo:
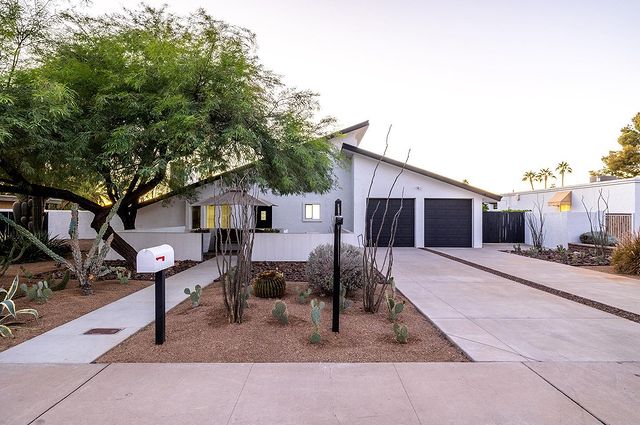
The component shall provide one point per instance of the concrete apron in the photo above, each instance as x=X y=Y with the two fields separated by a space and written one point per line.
x=321 y=393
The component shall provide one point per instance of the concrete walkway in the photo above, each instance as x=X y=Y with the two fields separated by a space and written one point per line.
x=616 y=291
x=495 y=319
x=68 y=344
x=321 y=393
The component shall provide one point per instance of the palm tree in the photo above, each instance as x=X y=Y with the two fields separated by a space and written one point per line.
x=529 y=176
x=563 y=168
x=544 y=175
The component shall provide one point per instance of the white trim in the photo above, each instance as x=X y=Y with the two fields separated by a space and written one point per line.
x=304 y=212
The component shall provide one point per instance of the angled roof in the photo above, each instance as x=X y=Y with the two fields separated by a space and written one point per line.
x=387 y=160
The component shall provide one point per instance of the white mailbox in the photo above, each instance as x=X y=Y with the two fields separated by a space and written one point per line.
x=154 y=259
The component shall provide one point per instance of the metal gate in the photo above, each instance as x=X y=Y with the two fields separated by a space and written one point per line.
x=503 y=227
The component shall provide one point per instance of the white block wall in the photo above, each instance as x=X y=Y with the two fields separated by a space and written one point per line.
x=292 y=246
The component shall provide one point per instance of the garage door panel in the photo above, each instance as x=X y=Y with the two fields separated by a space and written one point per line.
x=448 y=222
x=405 y=233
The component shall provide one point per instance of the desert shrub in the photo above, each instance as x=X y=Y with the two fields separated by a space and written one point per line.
x=31 y=251
x=269 y=284
x=320 y=268
x=626 y=256
x=597 y=238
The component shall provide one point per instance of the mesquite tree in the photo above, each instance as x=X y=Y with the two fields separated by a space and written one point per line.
x=377 y=273
x=120 y=105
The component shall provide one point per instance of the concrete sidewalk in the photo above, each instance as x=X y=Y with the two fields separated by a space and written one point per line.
x=616 y=291
x=321 y=393
x=68 y=344
x=496 y=319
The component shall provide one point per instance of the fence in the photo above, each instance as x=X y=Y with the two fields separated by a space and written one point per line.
x=503 y=227
x=619 y=225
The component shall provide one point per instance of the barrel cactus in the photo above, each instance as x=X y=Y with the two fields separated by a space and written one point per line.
x=269 y=284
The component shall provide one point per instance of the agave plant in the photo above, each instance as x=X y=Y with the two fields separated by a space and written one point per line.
x=8 y=312
x=88 y=268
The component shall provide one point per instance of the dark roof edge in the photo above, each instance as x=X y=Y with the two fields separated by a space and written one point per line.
x=347 y=130
x=378 y=157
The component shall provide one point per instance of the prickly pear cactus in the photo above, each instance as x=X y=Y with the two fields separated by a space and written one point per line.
x=61 y=284
x=269 y=284
x=394 y=307
x=401 y=332
x=344 y=302
x=316 y=310
x=38 y=292
x=194 y=295
x=280 y=312
x=303 y=295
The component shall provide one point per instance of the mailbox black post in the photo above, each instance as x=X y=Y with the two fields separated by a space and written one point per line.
x=337 y=229
x=160 y=306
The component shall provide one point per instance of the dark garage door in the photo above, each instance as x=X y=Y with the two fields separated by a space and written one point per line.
x=447 y=222
x=405 y=233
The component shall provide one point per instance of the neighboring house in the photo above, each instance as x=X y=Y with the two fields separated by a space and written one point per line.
x=566 y=208
x=436 y=211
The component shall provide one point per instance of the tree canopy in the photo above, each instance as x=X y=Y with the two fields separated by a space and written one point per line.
x=119 y=105
x=626 y=161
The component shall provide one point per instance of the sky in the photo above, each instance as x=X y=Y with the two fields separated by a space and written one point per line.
x=478 y=90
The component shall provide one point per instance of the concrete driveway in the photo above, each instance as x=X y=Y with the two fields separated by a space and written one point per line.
x=495 y=319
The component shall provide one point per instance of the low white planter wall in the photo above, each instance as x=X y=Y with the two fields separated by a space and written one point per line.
x=58 y=222
x=562 y=228
x=292 y=246
x=186 y=245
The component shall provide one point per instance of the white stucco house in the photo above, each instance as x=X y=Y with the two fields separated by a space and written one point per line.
x=566 y=214
x=436 y=211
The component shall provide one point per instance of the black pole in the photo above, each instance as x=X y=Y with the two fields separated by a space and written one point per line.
x=337 y=229
x=160 y=305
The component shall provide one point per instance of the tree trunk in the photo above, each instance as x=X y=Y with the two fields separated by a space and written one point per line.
x=128 y=214
x=118 y=244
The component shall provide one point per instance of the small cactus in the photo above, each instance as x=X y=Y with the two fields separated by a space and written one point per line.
x=401 y=332
x=194 y=295
x=38 y=292
x=280 y=312
x=269 y=284
x=304 y=295
x=393 y=307
x=316 y=309
x=60 y=285
x=122 y=274
x=344 y=302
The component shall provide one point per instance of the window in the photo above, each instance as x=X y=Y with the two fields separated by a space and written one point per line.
x=311 y=212
x=195 y=217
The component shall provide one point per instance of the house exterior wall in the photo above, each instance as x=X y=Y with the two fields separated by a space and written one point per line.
x=409 y=185
x=623 y=197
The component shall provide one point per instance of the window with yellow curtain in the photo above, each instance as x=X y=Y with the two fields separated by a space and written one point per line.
x=211 y=216
x=225 y=218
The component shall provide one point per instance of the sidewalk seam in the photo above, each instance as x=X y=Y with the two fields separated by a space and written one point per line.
x=240 y=394
x=565 y=394
x=68 y=395
x=406 y=393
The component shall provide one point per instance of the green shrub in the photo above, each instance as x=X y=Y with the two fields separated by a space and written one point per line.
x=320 y=268
x=280 y=312
x=269 y=284
x=626 y=256
x=122 y=274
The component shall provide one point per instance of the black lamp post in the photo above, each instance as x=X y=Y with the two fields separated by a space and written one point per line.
x=337 y=229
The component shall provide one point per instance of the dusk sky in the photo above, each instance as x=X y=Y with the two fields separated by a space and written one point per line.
x=478 y=90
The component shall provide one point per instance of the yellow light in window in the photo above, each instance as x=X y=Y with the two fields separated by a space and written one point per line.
x=211 y=216
x=263 y=216
x=565 y=207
